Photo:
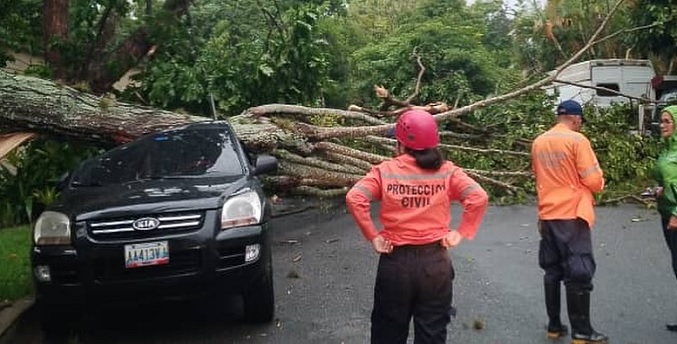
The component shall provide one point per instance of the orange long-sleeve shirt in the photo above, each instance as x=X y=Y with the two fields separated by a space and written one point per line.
x=567 y=174
x=415 y=203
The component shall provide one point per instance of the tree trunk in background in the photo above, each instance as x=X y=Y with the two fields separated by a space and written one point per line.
x=129 y=52
x=55 y=19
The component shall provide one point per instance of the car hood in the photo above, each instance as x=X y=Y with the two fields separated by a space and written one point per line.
x=146 y=197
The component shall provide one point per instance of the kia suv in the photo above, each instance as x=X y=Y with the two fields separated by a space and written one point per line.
x=178 y=213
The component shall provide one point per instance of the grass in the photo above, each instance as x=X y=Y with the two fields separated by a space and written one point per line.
x=15 y=270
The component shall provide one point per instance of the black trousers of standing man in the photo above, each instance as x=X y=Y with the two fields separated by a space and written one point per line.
x=565 y=254
x=412 y=281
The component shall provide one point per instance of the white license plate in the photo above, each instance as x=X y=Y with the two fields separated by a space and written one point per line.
x=146 y=254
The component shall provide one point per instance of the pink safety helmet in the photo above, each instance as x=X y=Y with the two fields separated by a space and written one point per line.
x=417 y=130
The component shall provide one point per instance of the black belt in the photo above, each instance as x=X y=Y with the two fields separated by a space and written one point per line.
x=437 y=244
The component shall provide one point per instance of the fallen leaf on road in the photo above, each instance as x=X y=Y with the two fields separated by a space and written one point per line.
x=293 y=274
x=478 y=324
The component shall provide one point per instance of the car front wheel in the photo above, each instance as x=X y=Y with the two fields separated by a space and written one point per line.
x=259 y=298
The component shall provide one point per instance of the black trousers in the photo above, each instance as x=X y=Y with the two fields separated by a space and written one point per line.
x=412 y=281
x=671 y=240
x=565 y=253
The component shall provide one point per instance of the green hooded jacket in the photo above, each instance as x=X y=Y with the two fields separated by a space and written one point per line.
x=665 y=171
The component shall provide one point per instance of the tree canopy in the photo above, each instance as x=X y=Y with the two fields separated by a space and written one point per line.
x=182 y=54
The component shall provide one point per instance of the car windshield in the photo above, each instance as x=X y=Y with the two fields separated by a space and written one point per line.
x=187 y=153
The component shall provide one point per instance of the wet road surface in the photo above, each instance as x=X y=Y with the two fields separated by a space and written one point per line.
x=324 y=274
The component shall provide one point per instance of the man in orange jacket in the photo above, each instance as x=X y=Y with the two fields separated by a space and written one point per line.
x=416 y=189
x=567 y=174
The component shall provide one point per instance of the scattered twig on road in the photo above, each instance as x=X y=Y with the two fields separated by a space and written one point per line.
x=627 y=197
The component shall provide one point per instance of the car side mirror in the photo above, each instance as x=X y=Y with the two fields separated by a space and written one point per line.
x=265 y=164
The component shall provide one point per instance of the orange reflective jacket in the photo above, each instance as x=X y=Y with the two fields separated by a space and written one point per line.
x=567 y=174
x=415 y=203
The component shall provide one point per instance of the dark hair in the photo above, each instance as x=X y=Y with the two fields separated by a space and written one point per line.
x=427 y=159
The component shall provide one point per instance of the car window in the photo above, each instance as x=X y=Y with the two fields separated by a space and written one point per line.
x=669 y=97
x=188 y=153
x=607 y=92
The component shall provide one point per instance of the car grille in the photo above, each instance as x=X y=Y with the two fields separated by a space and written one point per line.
x=121 y=228
x=180 y=263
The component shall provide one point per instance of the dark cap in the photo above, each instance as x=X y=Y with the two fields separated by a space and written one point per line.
x=569 y=107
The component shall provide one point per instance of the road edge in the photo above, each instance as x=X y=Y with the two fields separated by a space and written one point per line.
x=10 y=315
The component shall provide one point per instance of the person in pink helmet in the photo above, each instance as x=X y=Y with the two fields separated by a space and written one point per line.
x=416 y=188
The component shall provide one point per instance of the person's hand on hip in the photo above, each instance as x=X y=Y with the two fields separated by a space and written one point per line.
x=382 y=245
x=452 y=239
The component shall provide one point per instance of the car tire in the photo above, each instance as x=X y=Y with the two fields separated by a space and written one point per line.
x=259 y=298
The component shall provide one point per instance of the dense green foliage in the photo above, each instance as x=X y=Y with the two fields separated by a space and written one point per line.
x=660 y=40
x=331 y=54
x=30 y=184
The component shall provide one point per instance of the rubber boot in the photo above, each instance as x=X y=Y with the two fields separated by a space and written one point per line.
x=553 y=306
x=578 y=306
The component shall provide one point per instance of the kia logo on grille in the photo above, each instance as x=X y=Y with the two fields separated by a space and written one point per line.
x=146 y=224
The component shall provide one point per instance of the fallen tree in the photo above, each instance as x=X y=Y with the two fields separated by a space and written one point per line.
x=321 y=151
x=313 y=159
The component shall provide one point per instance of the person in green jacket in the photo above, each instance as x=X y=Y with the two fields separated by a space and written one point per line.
x=666 y=175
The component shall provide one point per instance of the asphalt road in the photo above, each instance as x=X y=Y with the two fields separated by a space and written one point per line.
x=324 y=274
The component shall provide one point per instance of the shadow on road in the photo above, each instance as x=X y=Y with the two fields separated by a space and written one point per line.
x=149 y=323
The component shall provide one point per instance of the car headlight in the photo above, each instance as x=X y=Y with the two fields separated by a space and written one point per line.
x=52 y=228
x=241 y=210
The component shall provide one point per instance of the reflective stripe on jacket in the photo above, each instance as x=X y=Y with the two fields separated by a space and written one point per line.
x=416 y=203
x=567 y=174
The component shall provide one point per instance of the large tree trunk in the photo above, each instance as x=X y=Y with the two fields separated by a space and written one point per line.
x=312 y=159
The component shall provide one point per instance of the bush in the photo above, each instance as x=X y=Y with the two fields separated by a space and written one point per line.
x=28 y=181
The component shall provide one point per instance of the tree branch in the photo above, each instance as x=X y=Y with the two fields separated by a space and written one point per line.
x=380 y=139
x=643 y=27
x=538 y=84
x=493 y=181
x=421 y=71
x=276 y=109
x=387 y=97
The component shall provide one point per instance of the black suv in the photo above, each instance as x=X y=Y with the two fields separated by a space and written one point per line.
x=179 y=213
